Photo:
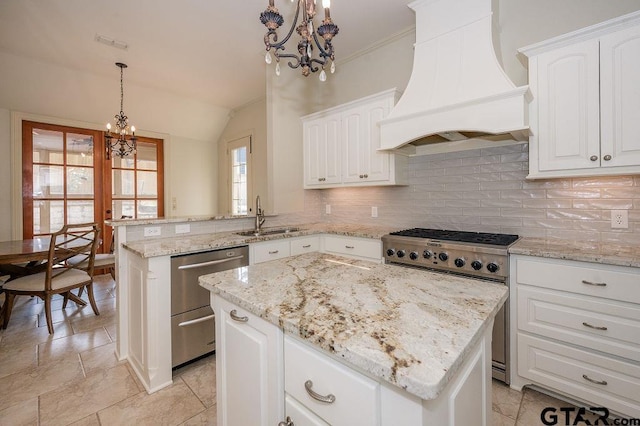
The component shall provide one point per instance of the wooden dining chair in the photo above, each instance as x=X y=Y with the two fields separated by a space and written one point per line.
x=60 y=277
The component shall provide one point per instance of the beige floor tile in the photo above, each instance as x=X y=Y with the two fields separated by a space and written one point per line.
x=28 y=384
x=534 y=402
x=501 y=420
x=23 y=413
x=90 y=420
x=81 y=325
x=113 y=331
x=36 y=335
x=100 y=358
x=66 y=346
x=506 y=401
x=169 y=406
x=202 y=381
x=20 y=323
x=206 y=418
x=15 y=358
x=78 y=400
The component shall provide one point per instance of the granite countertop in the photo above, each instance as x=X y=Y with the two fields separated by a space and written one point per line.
x=586 y=251
x=410 y=327
x=194 y=243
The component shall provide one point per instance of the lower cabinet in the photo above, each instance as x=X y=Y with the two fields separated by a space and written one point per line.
x=577 y=328
x=249 y=367
x=359 y=248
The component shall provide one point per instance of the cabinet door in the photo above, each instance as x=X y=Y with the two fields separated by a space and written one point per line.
x=620 y=97
x=250 y=389
x=362 y=163
x=568 y=108
x=322 y=151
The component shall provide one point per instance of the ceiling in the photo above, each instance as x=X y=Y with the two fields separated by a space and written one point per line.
x=210 y=50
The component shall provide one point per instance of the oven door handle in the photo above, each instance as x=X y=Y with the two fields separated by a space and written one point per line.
x=209 y=263
x=196 y=321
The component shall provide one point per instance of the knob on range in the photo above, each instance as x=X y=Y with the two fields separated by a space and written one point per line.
x=459 y=262
x=413 y=255
x=391 y=252
x=476 y=264
x=427 y=254
x=400 y=253
x=492 y=267
x=443 y=256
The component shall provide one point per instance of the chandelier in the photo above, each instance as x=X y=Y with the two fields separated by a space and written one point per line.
x=272 y=19
x=119 y=142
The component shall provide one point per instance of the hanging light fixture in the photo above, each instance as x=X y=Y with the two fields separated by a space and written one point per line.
x=119 y=142
x=272 y=19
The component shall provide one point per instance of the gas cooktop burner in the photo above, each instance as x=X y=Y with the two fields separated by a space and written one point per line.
x=459 y=236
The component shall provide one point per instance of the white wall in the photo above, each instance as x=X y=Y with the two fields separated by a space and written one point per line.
x=5 y=174
x=61 y=95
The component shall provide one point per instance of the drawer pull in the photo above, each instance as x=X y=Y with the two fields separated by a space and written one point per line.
x=274 y=252
x=597 y=382
x=328 y=399
x=234 y=316
x=596 y=284
x=287 y=422
x=306 y=246
x=595 y=327
x=349 y=247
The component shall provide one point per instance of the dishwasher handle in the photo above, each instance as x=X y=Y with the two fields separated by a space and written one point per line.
x=209 y=263
x=196 y=321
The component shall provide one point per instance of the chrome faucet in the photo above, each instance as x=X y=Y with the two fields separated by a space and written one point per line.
x=259 y=216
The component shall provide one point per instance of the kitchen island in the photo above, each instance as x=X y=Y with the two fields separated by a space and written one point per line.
x=417 y=344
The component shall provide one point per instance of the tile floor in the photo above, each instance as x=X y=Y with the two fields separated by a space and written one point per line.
x=73 y=377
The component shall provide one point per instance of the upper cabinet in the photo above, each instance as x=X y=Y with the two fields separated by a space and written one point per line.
x=341 y=145
x=585 y=103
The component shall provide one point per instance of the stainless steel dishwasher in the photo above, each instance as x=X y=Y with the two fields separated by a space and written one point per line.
x=192 y=319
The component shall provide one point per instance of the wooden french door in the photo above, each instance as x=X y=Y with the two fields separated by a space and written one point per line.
x=66 y=179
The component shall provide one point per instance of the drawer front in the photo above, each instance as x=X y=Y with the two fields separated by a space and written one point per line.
x=356 y=396
x=606 y=281
x=272 y=250
x=300 y=415
x=351 y=246
x=577 y=373
x=601 y=324
x=305 y=245
x=192 y=335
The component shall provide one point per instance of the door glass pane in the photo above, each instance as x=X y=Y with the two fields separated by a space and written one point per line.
x=79 y=182
x=48 y=146
x=79 y=150
x=123 y=208
x=80 y=211
x=239 y=181
x=147 y=184
x=123 y=183
x=48 y=181
x=146 y=154
x=147 y=209
x=123 y=163
x=48 y=216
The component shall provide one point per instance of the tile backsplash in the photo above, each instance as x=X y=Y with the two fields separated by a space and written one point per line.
x=486 y=190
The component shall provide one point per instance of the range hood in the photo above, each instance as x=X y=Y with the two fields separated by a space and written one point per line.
x=457 y=89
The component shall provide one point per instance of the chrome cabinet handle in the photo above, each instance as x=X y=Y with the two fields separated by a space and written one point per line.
x=361 y=176
x=607 y=157
x=593 y=158
x=366 y=176
x=274 y=252
x=595 y=284
x=349 y=247
x=234 y=316
x=321 y=179
x=595 y=327
x=307 y=246
x=287 y=422
x=597 y=382
x=328 y=399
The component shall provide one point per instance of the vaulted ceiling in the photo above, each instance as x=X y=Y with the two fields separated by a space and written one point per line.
x=210 y=50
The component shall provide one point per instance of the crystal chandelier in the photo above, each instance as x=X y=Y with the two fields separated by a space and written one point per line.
x=119 y=142
x=272 y=19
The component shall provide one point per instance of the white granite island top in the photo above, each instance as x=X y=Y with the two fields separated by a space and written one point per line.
x=412 y=328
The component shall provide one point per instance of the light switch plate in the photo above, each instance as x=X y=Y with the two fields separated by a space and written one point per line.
x=152 y=231
x=374 y=212
x=620 y=219
x=327 y=209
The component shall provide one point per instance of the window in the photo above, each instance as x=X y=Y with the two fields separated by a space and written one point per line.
x=239 y=155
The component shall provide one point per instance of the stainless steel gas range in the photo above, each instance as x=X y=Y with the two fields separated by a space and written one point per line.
x=474 y=254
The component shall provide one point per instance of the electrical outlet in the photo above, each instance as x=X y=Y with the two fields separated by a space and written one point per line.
x=152 y=231
x=183 y=228
x=374 y=212
x=327 y=209
x=620 y=219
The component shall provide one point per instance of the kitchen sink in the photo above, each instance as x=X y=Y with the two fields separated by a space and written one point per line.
x=262 y=232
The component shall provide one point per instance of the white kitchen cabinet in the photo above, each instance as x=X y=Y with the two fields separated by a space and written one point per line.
x=269 y=250
x=584 y=109
x=577 y=328
x=355 y=247
x=305 y=244
x=341 y=145
x=249 y=367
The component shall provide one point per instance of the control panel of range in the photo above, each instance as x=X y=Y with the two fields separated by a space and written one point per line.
x=475 y=260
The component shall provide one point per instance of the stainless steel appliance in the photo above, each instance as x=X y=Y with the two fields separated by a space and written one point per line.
x=192 y=319
x=474 y=254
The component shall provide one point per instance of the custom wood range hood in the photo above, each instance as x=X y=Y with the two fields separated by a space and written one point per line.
x=457 y=90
